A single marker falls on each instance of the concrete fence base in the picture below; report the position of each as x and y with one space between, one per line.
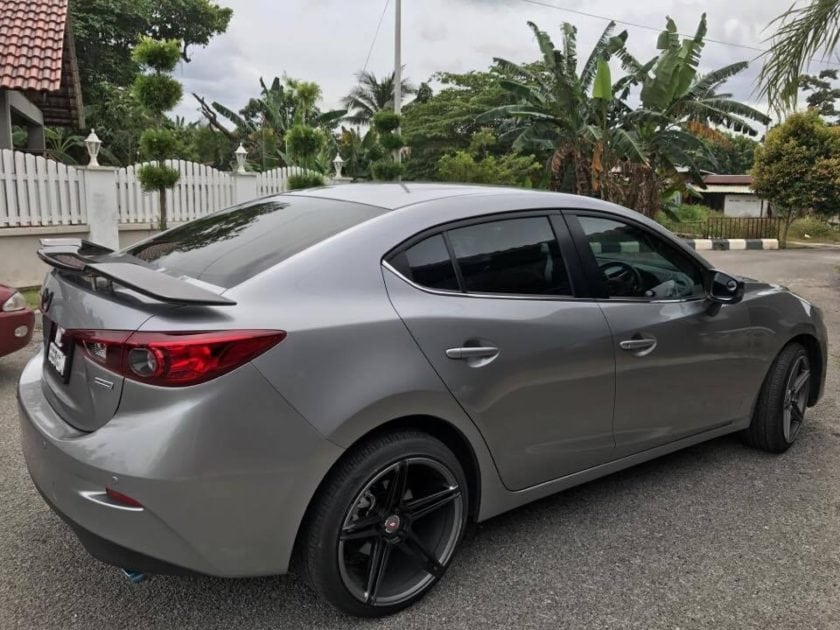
725 244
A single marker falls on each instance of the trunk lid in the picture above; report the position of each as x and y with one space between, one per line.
85 394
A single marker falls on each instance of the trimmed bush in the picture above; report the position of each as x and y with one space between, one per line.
386 170
157 177
160 55
158 144
157 92
386 121
391 141
305 180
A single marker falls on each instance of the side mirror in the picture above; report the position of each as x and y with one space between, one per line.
722 288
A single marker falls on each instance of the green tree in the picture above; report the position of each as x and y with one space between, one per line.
822 95
727 154
158 92
798 168
802 32
445 121
372 95
388 168
478 165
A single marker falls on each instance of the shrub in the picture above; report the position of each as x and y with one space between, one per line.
157 92
157 177
385 121
386 169
305 180
158 144
160 55
304 142
391 141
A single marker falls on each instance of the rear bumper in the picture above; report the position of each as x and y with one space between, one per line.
9 324
224 484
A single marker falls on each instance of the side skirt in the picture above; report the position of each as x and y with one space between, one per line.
503 501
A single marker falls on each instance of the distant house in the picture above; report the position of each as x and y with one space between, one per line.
39 76
733 195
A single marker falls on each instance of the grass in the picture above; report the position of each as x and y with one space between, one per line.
33 296
817 229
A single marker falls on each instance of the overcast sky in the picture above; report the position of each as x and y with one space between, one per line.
327 41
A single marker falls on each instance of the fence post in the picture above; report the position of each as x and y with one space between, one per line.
244 187
101 205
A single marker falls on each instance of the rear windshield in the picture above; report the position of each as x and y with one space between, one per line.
228 247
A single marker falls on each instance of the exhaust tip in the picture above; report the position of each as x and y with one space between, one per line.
135 577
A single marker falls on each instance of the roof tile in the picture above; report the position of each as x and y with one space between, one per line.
32 44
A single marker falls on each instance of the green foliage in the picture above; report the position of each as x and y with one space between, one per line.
814 228
507 170
106 31
821 93
158 144
304 142
386 169
156 177
157 92
358 152
159 55
371 95
391 141
446 121
305 180
386 121
798 167
728 154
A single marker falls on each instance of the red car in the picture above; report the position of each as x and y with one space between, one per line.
16 321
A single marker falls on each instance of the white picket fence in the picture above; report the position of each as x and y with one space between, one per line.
36 192
276 180
40 192
200 190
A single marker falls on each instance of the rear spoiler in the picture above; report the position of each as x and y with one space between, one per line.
75 255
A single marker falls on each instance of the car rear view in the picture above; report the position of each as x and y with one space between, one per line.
145 423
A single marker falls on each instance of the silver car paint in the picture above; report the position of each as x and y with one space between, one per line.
228 468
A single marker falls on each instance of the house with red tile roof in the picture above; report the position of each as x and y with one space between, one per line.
39 76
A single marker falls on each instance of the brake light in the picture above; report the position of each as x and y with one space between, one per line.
174 359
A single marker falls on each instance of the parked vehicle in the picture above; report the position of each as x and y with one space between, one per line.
349 375
16 321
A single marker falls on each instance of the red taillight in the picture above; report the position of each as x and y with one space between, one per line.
173 359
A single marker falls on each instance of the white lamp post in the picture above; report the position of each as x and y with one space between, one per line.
93 143
338 163
241 154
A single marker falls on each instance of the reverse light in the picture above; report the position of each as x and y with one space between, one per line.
174 359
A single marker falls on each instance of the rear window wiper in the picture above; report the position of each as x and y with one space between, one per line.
81 256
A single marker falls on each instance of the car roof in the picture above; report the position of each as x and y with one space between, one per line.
392 196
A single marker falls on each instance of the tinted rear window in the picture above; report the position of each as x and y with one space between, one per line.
233 245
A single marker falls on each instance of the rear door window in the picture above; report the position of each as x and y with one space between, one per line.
517 256
228 247
428 264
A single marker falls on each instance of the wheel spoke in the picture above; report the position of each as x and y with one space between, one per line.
421 507
797 413
801 381
417 550
363 528
378 563
397 486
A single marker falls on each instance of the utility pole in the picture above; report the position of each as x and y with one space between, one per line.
398 65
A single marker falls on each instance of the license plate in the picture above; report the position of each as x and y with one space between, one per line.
59 351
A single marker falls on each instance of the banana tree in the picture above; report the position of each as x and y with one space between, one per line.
555 111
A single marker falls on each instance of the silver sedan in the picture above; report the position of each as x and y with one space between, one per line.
348 376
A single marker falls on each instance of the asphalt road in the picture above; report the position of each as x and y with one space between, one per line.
716 536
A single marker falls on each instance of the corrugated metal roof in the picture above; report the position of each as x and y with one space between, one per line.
32 44
728 179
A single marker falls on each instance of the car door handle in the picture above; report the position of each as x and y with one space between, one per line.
472 352
638 344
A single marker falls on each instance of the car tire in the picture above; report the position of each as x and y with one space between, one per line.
385 524
780 409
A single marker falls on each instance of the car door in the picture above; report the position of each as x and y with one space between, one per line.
492 304
682 364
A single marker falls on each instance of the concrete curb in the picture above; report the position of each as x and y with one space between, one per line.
728 244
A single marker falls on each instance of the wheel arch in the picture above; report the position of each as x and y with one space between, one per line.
441 429
816 361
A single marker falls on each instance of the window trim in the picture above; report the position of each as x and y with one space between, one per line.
590 264
561 237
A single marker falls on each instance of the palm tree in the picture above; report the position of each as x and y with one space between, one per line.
372 95
803 32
